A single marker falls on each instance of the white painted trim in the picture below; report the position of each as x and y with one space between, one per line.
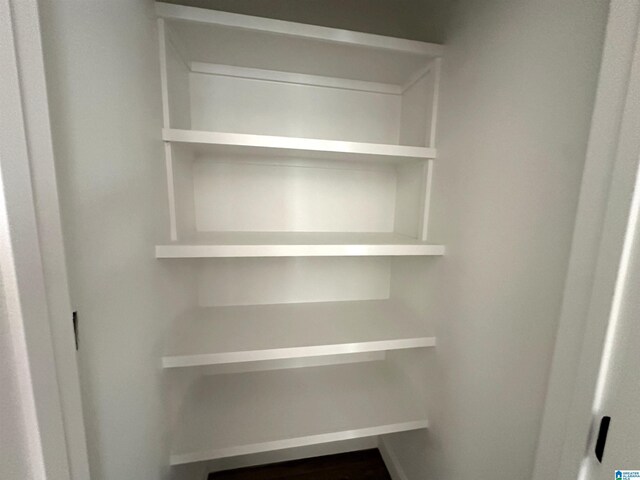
32 260
427 182
178 459
391 460
164 82
291 29
171 192
437 65
602 220
294 78
351 150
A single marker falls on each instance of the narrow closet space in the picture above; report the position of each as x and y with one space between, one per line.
299 164
271 231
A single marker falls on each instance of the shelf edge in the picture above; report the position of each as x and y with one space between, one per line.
195 360
300 30
237 251
181 458
296 144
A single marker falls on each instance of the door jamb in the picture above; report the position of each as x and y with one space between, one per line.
596 265
32 258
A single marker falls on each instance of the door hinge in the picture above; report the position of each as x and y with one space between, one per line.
75 328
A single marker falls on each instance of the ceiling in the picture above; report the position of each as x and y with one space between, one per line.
424 20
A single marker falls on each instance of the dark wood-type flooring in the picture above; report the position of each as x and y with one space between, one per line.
361 465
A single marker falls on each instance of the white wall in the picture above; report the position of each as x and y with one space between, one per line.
14 442
19 455
518 85
605 196
104 89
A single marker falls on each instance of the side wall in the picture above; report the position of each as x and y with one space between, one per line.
519 79
104 89
15 451
598 242
20 452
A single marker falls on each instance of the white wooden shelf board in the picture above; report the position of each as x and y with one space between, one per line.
299 30
218 335
295 244
273 146
238 414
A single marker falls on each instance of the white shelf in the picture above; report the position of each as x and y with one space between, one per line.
216 37
300 30
228 415
219 335
294 244
268 145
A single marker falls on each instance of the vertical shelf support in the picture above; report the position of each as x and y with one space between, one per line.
427 179
437 68
431 135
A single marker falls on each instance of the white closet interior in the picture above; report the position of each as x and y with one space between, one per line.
270 256
299 168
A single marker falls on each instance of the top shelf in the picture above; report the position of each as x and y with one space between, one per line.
299 30
215 37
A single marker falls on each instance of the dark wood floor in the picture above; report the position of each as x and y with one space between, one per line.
361 465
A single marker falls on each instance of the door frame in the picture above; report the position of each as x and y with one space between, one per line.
32 256
605 226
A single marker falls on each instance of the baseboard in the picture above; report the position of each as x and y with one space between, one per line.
391 460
